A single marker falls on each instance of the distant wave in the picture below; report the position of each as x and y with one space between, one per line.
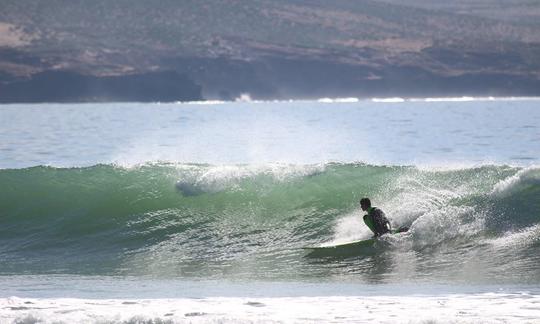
338 100
247 99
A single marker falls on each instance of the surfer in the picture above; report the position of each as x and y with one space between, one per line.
375 218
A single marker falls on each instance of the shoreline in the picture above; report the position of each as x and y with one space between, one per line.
333 100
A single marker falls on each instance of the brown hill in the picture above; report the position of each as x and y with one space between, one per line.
282 48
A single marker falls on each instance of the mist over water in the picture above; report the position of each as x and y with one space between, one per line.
421 133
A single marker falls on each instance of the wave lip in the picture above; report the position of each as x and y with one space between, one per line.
528 177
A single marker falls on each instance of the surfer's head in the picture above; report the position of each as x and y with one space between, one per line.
365 203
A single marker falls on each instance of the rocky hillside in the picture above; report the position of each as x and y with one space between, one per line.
274 49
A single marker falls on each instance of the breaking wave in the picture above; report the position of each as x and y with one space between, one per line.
201 220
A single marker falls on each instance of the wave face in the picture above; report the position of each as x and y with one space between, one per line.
238 221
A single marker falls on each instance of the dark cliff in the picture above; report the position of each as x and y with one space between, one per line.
62 86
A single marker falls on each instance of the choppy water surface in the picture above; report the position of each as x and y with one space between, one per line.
183 197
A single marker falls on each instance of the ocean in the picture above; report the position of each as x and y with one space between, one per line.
198 212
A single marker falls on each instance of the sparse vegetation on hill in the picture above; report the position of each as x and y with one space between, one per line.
273 48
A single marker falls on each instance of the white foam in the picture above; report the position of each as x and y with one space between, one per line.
349 228
455 99
519 239
469 98
338 100
244 97
205 102
530 175
212 179
445 166
449 308
278 171
394 100
444 224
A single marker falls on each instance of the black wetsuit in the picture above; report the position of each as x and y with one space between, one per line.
376 221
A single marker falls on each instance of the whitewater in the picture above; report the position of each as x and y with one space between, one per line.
197 213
